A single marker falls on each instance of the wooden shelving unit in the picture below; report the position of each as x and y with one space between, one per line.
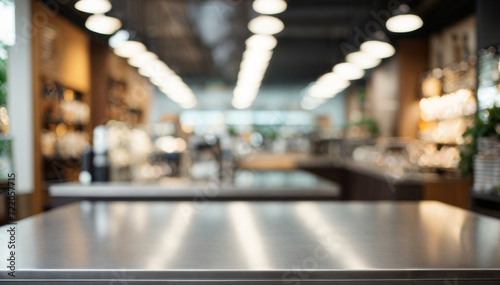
61 57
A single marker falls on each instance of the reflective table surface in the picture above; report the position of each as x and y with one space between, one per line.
257 243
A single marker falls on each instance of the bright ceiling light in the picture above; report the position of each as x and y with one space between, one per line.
269 6
173 84
93 6
363 59
348 71
265 25
333 79
239 104
142 59
102 24
118 38
155 68
251 75
245 94
247 86
378 49
168 81
309 103
322 91
404 23
188 105
252 82
255 54
129 48
257 66
265 42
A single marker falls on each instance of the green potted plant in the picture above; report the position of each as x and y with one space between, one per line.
487 127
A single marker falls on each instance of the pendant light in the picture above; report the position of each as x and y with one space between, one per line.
378 46
129 48
403 21
265 25
118 38
348 71
363 59
103 24
269 7
93 6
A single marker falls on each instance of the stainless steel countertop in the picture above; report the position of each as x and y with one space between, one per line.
257 241
275 184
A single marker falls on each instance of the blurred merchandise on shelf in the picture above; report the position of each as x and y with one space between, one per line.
245 132
448 105
391 158
206 158
144 152
395 156
64 105
122 103
429 156
62 143
401 157
64 132
445 132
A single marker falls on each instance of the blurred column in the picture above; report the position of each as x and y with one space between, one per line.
488 22
20 99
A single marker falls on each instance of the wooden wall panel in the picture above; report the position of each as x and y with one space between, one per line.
99 52
105 66
412 61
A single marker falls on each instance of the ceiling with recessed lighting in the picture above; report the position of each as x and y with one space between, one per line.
204 40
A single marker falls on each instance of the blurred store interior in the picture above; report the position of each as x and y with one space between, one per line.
218 92
279 124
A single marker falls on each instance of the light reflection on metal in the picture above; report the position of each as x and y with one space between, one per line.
243 221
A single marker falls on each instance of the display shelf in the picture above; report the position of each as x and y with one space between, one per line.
61 98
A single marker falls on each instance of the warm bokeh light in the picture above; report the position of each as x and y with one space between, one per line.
265 25
363 59
264 42
269 7
404 23
118 38
378 49
102 24
93 6
348 71
142 59
333 79
129 48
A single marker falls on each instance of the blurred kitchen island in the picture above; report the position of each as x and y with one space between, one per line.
245 185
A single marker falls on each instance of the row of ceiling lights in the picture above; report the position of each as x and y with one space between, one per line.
259 49
136 53
369 56
258 52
